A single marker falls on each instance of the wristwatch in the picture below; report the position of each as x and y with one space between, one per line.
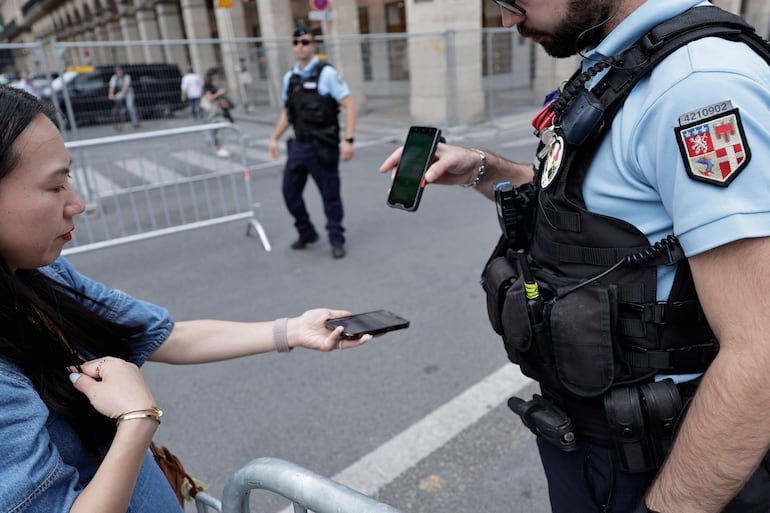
350 140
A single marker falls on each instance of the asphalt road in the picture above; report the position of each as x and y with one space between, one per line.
417 418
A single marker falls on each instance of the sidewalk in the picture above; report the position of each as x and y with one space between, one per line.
374 125
390 123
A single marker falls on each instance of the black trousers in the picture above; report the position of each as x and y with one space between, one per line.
590 480
303 161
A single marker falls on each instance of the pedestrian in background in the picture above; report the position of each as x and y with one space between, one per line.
631 280
76 414
121 92
313 92
244 81
217 106
26 84
192 90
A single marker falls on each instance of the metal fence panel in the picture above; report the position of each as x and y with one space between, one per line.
496 65
306 489
146 184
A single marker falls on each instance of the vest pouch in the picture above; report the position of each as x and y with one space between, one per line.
312 113
497 278
517 332
581 333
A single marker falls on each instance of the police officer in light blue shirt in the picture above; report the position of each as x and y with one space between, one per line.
313 93
672 172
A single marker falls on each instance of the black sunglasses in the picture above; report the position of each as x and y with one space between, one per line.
512 6
303 42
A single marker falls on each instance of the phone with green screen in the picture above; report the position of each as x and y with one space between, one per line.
408 183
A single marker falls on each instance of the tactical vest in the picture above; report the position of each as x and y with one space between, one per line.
314 117
594 323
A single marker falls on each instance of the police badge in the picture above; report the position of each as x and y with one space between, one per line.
554 159
713 145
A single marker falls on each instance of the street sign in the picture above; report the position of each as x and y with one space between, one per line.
224 4
319 15
320 5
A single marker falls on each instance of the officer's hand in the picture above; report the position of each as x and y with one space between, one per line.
273 148
452 165
347 150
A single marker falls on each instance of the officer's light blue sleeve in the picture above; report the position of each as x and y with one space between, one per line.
118 306
285 87
706 215
330 83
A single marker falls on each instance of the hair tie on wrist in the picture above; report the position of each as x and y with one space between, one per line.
280 336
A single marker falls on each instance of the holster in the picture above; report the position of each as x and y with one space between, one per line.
642 422
546 420
627 427
664 406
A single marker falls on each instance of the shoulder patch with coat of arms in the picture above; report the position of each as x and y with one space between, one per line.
713 144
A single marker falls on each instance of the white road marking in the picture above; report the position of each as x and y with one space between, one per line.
383 465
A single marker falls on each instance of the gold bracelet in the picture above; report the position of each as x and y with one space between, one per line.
132 416
153 409
481 171
151 413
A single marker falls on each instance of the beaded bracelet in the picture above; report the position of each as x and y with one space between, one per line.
481 171
154 413
280 336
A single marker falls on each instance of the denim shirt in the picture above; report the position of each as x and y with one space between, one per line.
43 464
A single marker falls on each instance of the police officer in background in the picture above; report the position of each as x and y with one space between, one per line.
313 91
632 279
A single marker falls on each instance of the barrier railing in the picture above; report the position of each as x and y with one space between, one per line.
146 184
304 488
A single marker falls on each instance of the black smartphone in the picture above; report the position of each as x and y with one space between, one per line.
373 323
407 186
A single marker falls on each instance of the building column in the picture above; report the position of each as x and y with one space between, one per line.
276 21
444 71
170 28
733 6
230 26
129 30
114 33
346 55
148 31
87 52
103 53
756 13
196 25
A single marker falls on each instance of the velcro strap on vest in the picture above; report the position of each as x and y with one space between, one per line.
689 359
674 313
679 313
565 221
572 254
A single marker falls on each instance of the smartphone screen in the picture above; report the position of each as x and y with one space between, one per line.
373 323
407 186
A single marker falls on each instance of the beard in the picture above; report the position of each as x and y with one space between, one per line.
576 31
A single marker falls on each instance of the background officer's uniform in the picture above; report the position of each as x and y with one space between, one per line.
303 159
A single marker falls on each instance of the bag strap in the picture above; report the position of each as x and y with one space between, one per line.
171 465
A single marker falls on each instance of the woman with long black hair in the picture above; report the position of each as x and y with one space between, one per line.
76 415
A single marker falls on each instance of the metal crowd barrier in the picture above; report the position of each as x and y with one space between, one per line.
146 184
306 490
